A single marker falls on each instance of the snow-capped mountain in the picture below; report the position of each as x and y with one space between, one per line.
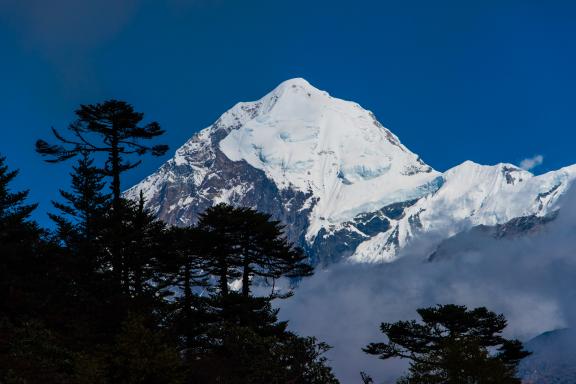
344 184
471 195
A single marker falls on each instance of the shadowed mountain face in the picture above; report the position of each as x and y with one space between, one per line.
553 360
343 184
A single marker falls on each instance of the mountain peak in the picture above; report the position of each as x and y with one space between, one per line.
296 91
295 82
335 150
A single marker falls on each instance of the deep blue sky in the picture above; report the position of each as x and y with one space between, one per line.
489 81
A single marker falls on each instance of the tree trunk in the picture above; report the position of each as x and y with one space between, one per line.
117 259
246 278
223 276
188 308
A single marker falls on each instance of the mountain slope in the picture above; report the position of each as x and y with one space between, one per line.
471 195
553 360
344 184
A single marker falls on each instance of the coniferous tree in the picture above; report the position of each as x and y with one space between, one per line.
65 320
248 357
138 242
264 252
249 244
183 268
243 243
83 206
244 341
453 345
143 354
79 229
220 225
31 291
113 128
118 133
20 238
144 242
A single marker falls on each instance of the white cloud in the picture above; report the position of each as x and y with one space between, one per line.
531 162
530 279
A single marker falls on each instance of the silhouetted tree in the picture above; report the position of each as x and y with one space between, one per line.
264 252
143 354
112 128
453 345
248 357
80 228
138 242
220 225
20 239
83 206
244 341
183 267
32 287
249 244
114 296
144 239
118 133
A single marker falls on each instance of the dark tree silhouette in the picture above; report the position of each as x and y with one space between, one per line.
220 226
14 213
264 251
19 240
114 296
250 244
113 128
453 345
83 206
143 240
183 267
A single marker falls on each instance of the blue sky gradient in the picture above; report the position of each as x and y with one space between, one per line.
488 81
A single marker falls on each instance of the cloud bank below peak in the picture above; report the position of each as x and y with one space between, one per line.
528 278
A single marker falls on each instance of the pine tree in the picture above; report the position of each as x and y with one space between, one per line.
14 213
118 134
134 247
220 226
264 252
20 238
452 345
250 244
113 128
244 341
31 290
83 207
183 268
144 242
246 356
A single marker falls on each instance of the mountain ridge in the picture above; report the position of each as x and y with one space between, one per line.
344 185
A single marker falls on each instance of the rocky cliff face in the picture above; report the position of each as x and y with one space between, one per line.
344 185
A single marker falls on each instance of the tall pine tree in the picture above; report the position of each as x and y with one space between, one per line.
113 128
20 238
83 207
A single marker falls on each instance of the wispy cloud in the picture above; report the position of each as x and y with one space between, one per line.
531 162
